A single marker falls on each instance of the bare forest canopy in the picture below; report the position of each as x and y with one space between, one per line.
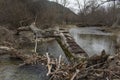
44 12
16 13
99 12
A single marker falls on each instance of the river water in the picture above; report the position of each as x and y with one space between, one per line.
94 41
53 48
10 70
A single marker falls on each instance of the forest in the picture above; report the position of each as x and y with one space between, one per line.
59 40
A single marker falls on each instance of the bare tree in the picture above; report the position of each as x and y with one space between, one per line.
57 1
90 12
116 16
83 9
65 3
13 14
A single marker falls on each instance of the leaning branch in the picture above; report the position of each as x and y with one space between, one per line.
48 64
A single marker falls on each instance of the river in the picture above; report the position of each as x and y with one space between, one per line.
94 41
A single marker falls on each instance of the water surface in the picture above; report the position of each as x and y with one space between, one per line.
10 70
53 48
94 41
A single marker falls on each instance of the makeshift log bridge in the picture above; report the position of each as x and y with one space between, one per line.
64 39
69 43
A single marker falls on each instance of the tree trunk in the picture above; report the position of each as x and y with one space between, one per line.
117 22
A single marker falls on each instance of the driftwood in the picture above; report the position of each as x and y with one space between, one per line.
102 69
77 71
48 64
38 33
36 43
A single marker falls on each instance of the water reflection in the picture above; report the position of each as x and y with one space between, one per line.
94 41
53 48
9 70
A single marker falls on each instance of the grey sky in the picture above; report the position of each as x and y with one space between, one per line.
73 4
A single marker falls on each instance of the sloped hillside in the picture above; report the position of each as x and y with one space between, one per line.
14 12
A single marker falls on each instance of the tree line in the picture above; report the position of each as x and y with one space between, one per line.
96 12
99 12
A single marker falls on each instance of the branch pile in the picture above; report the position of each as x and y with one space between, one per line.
103 67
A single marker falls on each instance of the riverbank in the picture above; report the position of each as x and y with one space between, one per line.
96 67
17 47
